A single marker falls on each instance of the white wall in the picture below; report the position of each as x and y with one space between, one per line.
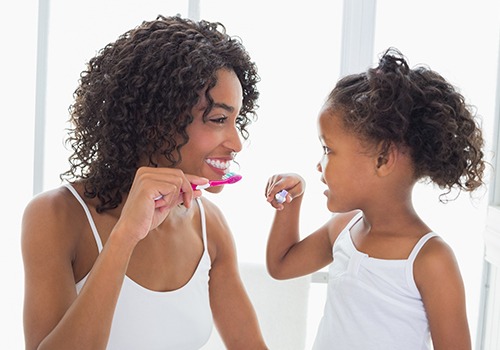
18 24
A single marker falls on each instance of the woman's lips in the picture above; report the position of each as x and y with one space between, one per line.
221 165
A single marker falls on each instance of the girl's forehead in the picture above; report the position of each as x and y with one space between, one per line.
329 121
331 129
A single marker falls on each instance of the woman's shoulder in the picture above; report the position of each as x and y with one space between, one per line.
46 201
54 202
219 236
49 213
214 215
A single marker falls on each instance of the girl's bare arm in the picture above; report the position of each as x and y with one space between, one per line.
438 278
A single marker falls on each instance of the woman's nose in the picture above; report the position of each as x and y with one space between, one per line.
233 140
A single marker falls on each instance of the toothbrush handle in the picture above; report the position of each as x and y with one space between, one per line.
202 187
212 183
193 186
207 185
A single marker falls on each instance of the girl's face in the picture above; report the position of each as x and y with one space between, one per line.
214 140
346 167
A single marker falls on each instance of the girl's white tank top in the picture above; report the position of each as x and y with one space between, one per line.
372 303
145 319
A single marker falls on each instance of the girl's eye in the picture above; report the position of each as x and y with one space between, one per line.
326 150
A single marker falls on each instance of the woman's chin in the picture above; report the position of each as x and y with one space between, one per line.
215 189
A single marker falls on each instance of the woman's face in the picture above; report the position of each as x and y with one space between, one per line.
214 139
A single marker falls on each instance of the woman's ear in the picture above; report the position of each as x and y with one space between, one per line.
387 158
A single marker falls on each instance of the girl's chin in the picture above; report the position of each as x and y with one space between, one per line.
331 208
331 205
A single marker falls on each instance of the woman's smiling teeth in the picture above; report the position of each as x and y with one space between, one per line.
224 165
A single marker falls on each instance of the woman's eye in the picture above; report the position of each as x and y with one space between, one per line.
220 119
326 150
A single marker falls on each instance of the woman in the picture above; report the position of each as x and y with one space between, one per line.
127 255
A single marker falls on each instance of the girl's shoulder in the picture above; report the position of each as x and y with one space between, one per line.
435 250
434 261
340 221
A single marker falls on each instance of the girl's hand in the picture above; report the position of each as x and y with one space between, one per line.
154 192
294 184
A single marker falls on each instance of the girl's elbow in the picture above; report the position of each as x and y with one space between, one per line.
276 272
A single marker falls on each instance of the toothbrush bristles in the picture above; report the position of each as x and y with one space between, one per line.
227 175
231 177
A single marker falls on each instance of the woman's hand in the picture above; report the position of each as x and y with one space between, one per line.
154 192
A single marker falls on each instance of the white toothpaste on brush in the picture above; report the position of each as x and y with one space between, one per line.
281 196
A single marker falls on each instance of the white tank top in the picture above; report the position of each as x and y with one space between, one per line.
372 303
146 319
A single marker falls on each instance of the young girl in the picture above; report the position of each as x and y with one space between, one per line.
393 282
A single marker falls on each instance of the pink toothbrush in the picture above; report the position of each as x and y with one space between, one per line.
229 178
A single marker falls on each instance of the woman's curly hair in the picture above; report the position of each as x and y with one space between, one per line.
135 98
416 109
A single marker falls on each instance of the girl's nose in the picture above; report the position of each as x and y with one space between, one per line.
318 167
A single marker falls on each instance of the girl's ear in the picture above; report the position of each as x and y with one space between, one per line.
387 157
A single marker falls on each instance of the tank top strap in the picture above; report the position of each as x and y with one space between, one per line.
89 216
419 246
203 222
354 220
410 279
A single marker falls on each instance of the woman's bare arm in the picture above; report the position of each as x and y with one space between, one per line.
54 316
232 309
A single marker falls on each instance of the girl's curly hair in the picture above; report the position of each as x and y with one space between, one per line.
419 110
134 100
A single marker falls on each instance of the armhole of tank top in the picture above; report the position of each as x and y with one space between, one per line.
203 223
89 216
411 259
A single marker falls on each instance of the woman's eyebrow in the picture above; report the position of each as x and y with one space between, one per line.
224 106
